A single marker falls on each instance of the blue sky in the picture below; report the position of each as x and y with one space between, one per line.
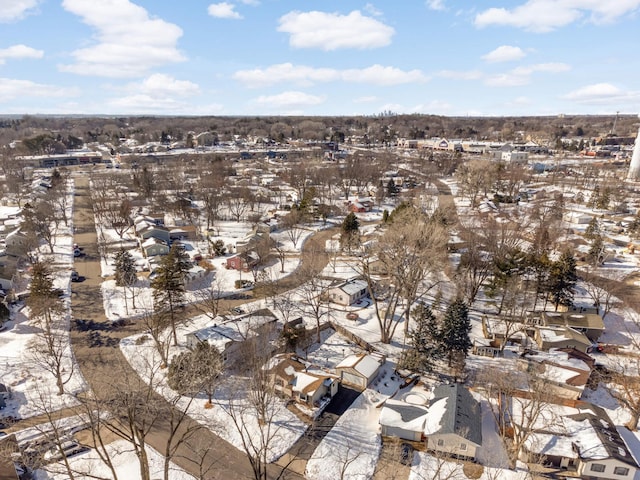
290 57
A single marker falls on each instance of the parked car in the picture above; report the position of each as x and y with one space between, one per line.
74 276
77 252
66 449
237 310
406 454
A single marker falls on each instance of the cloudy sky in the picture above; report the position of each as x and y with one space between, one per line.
330 57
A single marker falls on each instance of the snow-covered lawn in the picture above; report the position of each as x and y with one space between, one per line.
88 465
429 467
33 389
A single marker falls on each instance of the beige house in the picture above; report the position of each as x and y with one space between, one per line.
582 319
561 337
359 370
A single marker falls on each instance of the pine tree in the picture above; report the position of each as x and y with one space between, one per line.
424 345
125 274
595 256
454 334
350 229
562 280
168 285
593 229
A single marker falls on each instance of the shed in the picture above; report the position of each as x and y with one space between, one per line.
349 292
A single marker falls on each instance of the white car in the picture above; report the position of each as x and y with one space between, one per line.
66 449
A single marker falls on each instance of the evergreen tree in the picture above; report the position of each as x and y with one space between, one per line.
562 280
43 301
454 334
424 345
593 229
350 229
168 285
126 274
596 253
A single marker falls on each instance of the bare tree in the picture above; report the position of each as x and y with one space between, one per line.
254 410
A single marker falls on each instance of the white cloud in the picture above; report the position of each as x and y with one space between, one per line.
504 53
385 76
129 41
142 104
460 75
547 15
304 75
161 85
332 31
223 10
602 93
11 10
290 99
253 3
372 10
19 51
11 88
522 75
436 5
156 93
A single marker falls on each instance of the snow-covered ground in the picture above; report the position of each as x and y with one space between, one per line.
88 465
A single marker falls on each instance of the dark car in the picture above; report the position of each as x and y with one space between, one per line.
406 454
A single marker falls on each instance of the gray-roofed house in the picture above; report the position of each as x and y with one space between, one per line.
359 370
453 424
403 420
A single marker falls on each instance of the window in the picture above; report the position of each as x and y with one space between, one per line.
597 467
440 442
621 471
463 446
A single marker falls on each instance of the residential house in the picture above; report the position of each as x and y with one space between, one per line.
359 370
243 262
252 333
583 440
562 337
258 235
297 381
16 243
154 231
585 320
349 292
403 420
153 247
454 422
187 232
565 372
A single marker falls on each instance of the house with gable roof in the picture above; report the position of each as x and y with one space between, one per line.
359 370
349 292
453 424
293 379
403 420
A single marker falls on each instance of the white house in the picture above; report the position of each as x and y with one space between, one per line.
349 292
359 370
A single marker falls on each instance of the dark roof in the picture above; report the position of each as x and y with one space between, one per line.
407 412
609 436
462 415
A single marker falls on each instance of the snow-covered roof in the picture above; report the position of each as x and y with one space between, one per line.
396 413
365 365
351 287
454 410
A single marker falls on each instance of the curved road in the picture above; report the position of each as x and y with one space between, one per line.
96 345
